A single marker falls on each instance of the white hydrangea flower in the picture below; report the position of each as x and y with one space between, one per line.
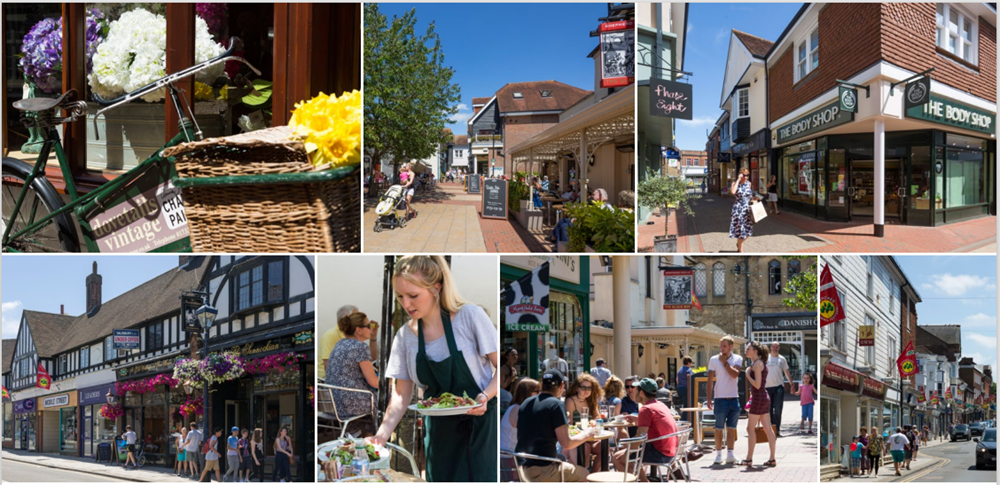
135 54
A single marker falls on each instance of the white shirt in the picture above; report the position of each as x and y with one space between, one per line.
898 442
193 440
508 433
129 437
556 363
726 386
776 367
602 374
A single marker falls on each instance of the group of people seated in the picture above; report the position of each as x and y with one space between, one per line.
553 419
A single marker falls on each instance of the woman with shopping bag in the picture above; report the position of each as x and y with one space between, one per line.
741 224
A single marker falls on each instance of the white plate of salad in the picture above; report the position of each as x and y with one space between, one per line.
343 451
446 404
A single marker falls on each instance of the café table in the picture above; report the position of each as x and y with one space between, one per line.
550 202
698 436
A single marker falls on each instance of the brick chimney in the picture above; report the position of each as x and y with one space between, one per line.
62 309
93 290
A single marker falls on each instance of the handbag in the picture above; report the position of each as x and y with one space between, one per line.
757 212
761 434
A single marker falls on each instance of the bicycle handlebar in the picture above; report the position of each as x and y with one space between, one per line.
234 44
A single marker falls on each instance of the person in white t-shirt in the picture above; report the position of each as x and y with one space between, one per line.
191 447
129 438
723 396
777 369
897 448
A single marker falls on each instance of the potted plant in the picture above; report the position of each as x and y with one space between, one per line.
671 193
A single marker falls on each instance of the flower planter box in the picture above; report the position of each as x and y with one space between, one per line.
530 217
133 132
665 244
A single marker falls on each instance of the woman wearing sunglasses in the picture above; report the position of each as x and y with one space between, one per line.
350 366
583 401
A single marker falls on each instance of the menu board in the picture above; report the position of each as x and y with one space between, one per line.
472 180
494 199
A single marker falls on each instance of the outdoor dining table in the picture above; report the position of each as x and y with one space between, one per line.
698 437
549 205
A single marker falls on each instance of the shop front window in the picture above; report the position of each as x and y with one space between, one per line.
965 173
565 337
829 424
837 177
799 176
69 429
153 422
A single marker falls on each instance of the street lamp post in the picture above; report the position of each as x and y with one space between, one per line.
206 317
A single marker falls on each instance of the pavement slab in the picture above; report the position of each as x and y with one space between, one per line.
43 461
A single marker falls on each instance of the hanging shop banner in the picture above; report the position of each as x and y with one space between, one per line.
617 53
494 199
6 395
907 361
826 117
917 92
866 336
921 398
527 301
669 99
947 393
841 378
848 99
874 388
694 301
934 398
125 339
678 285
830 309
42 378
947 112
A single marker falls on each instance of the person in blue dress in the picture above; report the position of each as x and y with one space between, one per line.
741 225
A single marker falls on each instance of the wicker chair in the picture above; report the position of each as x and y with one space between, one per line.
329 417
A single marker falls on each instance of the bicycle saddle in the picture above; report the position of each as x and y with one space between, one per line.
44 104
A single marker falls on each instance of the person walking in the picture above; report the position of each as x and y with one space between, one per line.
760 405
897 448
191 446
741 224
408 179
772 194
257 454
601 373
181 453
876 448
282 457
777 371
863 439
911 447
723 396
244 446
129 438
233 458
212 457
683 380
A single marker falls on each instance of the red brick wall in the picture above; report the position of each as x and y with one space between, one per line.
520 128
848 43
909 41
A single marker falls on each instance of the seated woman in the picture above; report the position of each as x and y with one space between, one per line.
601 195
545 183
585 393
350 366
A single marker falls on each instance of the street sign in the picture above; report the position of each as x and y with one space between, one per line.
677 287
918 92
126 339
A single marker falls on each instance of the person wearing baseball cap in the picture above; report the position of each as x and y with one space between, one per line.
654 420
233 458
541 423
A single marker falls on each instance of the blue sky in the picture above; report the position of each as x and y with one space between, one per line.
490 45
42 283
958 290
708 32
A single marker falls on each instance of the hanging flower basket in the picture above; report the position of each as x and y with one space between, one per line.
143 386
219 368
188 373
112 411
194 405
273 363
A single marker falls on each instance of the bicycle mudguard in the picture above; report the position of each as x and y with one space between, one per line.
137 215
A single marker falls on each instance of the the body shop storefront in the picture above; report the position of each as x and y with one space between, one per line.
94 428
933 176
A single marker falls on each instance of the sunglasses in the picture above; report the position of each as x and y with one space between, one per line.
587 388
366 325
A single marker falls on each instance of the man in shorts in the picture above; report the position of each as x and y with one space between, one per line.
129 437
897 448
723 396
191 446
212 457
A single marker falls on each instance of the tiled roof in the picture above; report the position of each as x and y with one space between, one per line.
758 47
461 140
48 330
561 96
8 353
476 101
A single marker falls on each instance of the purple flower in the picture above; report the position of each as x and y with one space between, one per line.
42 49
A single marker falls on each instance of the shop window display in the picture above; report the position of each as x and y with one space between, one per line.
69 429
829 428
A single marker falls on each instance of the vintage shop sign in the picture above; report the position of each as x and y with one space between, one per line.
866 336
272 345
947 112
678 287
148 367
826 117
873 388
151 215
669 99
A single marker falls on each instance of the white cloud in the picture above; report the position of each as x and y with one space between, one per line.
11 318
979 320
981 339
958 285
698 121
463 115
721 36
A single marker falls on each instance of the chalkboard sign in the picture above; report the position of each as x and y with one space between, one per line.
103 453
670 99
494 199
473 180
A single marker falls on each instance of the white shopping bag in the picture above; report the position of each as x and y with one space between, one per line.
757 212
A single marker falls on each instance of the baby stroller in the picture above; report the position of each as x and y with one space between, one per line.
387 207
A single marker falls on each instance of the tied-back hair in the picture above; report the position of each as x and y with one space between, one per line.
524 389
427 271
758 348
350 323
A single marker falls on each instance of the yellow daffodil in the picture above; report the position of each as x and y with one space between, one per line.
203 92
330 127
224 93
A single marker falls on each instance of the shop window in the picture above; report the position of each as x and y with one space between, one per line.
69 430
807 55
250 289
742 103
800 172
700 280
719 279
957 31
829 428
774 277
965 178
8 420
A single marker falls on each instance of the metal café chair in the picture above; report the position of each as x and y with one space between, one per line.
680 462
635 449
328 409
517 457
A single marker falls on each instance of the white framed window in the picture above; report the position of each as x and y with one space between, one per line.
725 130
957 31
893 348
807 55
741 103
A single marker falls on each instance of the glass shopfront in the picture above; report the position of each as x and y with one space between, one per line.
829 429
94 428
931 177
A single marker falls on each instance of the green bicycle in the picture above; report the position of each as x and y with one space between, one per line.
139 211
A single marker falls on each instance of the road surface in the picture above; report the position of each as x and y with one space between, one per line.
958 464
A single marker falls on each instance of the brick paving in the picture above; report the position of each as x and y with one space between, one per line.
708 231
797 455
448 222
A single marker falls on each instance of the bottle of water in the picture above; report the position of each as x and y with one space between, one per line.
600 426
359 464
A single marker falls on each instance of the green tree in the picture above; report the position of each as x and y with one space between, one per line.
665 192
802 287
409 96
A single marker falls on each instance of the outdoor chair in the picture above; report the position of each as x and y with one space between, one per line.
329 417
517 457
635 449
680 463
508 467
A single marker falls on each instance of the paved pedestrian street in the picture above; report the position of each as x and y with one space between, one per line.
937 461
448 222
708 231
22 466
796 454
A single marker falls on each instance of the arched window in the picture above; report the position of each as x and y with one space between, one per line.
794 268
774 277
719 279
700 280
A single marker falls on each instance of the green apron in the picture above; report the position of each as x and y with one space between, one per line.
459 448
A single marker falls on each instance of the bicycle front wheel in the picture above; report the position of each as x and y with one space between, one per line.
40 200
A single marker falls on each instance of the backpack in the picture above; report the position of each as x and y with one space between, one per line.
208 445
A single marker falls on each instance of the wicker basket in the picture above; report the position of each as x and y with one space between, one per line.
256 192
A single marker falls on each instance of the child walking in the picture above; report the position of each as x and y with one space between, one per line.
807 401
